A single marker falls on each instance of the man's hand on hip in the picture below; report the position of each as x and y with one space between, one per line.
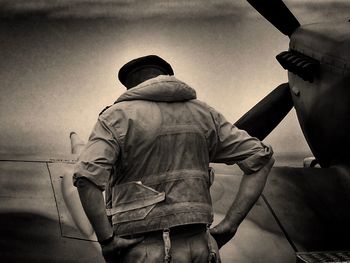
248 193
112 250
223 232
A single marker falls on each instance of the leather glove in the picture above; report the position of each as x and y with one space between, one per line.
112 249
223 233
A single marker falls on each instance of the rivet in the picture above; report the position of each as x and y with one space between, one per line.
296 91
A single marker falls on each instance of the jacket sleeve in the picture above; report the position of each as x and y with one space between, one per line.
98 157
237 146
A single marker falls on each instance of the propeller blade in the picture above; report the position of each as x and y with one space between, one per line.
268 113
278 14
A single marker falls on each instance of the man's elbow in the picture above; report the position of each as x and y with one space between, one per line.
83 183
265 170
262 171
258 179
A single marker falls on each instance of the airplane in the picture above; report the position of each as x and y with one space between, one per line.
302 214
42 220
310 204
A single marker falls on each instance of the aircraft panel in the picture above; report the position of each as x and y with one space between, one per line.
29 224
24 186
312 206
25 180
61 174
23 158
259 238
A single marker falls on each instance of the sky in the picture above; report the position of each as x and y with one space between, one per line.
136 9
60 61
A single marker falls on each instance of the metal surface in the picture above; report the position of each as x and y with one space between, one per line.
312 206
259 238
303 66
319 257
24 186
323 107
69 227
57 158
29 225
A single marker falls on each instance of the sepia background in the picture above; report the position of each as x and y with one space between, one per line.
60 59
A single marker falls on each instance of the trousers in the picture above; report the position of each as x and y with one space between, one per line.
196 246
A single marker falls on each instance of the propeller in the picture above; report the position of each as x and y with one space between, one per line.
268 113
278 14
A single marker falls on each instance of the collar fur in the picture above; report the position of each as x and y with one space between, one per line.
163 88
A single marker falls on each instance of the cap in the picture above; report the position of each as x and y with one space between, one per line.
143 62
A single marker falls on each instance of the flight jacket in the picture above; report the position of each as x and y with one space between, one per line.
151 151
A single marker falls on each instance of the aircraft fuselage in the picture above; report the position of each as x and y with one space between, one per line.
323 106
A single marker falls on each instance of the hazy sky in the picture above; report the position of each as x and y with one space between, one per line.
306 10
56 75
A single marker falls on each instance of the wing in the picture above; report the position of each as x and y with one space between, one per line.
35 224
259 238
40 216
311 205
302 210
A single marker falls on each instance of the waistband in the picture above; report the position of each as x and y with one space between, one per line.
175 232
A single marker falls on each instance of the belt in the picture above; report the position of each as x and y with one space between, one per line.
174 231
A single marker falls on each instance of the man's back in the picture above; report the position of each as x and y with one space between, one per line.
150 151
157 137
164 136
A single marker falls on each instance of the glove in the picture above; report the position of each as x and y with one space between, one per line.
223 233
112 249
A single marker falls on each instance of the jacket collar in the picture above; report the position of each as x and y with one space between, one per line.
163 88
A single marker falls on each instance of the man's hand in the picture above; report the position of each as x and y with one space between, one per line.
223 232
112 250
249 191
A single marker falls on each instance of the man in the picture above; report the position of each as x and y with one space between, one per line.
151 151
